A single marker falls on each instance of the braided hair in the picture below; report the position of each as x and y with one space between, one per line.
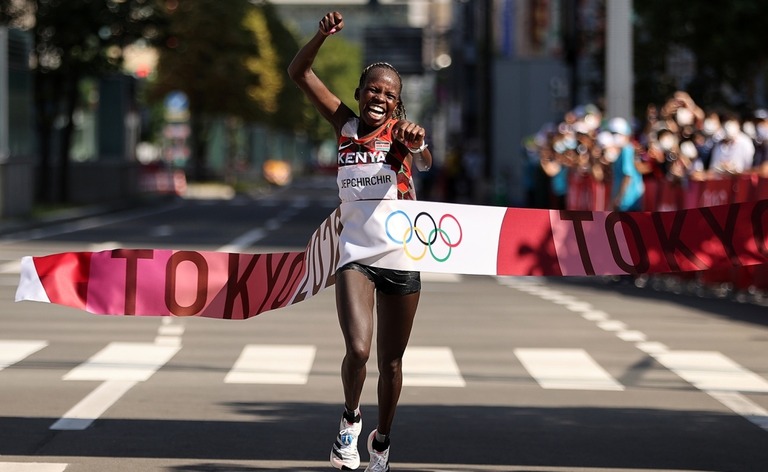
399 112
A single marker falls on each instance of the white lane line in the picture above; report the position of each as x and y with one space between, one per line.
242 242
652 347
123 361
273 364
104 246
595 315
612 325
579 307
712 371
120 366
13 351
170 331
743 406
632 336
568 369
431 367
91 407
31 467
722 379
10 267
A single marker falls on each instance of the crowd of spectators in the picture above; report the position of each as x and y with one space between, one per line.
678 141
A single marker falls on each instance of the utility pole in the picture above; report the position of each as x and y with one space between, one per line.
618 61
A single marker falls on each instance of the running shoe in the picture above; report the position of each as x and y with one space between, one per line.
379 460
344 454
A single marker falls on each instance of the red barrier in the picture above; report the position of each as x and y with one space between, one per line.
651 194
671 196
585 193
662 195
761 188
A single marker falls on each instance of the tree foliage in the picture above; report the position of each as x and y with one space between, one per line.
74 39
727 39
338 64
229 58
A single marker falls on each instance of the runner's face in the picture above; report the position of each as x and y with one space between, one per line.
379 97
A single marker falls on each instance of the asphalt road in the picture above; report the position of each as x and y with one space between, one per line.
502 374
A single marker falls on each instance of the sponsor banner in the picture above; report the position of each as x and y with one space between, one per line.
405 235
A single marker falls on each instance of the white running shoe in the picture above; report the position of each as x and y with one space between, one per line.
344 454
379 460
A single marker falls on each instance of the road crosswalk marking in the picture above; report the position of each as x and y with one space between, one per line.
569 369
431 367
120 366
31 467
712 371
124 361
13 351
272 364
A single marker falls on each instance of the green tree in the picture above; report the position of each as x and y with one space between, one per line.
275 95
230 59
339 65
73 40
727 39
205 57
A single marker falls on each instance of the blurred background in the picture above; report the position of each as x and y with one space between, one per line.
106 100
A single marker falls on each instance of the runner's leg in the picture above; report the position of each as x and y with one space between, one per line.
395 321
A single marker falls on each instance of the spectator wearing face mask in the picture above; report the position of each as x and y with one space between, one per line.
627 189
735 153
681 114
761 142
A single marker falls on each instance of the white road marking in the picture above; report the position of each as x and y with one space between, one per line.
652 347
13 351
120 366
595 315
124 361
31 467
632 336
10 267
431 367
569 369
273 364
90 408
743 406
712 371
612 325
244 241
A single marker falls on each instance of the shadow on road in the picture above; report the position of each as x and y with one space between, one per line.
484 436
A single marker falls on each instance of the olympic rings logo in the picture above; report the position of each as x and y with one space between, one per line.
447 229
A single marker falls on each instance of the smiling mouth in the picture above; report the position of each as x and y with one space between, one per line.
376 112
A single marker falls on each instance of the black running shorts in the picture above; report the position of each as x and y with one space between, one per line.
389 281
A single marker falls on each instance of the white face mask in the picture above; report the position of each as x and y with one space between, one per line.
688 149
732 129
611 154
667 142
684 116
710 126
762 131
749 129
